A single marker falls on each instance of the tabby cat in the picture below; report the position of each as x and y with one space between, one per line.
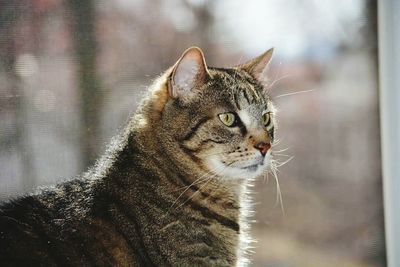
171 188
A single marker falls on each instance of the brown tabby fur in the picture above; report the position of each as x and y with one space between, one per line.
140 205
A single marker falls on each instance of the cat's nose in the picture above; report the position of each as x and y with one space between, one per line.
263 147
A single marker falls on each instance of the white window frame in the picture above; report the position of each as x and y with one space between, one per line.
389 91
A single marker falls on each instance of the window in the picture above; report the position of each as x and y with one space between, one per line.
71 72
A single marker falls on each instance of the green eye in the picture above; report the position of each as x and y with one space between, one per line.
266 119
228 118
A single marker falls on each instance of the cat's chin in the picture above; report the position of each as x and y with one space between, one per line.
248 172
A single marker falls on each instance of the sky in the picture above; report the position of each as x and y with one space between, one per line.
291 25
298 28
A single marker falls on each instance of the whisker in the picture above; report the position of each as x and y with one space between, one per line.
282 150
269 87
294 93
279 79
198 181
216 175
279 198
281 155
266 178
276 142
201 179
184 191
283 163
195 193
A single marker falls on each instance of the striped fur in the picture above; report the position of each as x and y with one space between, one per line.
155 197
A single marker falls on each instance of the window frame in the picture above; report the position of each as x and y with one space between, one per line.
389 94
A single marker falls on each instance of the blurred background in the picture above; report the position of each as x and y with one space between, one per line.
71 73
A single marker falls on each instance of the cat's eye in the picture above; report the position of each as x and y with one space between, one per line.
228 118
266 119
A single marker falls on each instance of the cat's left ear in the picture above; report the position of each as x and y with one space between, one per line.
257 67
188 74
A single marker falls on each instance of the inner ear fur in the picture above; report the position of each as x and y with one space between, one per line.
188 74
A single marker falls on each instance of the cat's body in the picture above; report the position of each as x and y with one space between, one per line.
90 221
158 197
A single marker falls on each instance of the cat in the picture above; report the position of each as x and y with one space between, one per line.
171 188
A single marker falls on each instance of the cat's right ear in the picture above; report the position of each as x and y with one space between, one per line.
188 74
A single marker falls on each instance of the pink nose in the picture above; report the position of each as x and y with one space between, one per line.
263 147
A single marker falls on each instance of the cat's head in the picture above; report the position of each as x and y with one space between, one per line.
222 119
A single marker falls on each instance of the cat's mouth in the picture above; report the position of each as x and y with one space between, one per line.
251 170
